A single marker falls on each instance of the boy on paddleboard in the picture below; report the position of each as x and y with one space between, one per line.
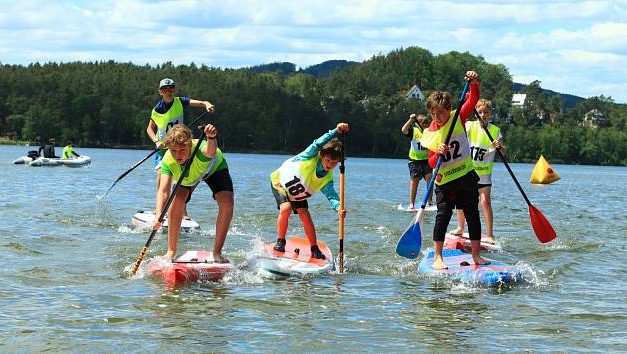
482 152
299 178
209 165
168 111
456 181
418 156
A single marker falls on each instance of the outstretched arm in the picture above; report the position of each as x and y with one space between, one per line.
206 104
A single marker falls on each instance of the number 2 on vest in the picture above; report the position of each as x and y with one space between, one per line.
295 189
454 145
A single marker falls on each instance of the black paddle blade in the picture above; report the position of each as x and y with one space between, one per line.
541 226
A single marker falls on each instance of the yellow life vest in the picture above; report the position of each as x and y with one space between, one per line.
165 121
67 152
457 162
416 150
200 168
481 150
297 178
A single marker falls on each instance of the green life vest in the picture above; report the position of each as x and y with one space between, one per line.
481 150
457 162
297 178
416 150
165 121
67 152
201 167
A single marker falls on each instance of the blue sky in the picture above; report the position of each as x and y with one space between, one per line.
576 47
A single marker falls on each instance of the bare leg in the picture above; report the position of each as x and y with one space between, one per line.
413 187
310 229
175 215
223 223
486 205
459 230
282 221
438 261
476 253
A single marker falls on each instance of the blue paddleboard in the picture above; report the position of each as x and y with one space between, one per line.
461 267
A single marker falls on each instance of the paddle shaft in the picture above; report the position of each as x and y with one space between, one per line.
144 250
341 220
498 151
147 157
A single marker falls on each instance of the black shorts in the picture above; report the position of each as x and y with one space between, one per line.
282 198
220 181
419 168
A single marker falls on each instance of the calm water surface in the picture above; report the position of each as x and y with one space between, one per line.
65 286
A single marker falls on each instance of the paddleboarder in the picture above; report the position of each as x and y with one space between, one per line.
418 156
299 178
168 111
456 181
209 166
482 152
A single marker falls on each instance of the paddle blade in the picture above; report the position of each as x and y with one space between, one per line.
409 244
541 226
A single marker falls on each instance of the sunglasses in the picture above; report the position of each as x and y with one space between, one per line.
167 88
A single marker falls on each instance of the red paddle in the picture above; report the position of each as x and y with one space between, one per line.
541 226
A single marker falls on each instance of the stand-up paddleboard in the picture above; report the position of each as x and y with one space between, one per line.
404 207
296 260
462 242
190 267
461 267
144 219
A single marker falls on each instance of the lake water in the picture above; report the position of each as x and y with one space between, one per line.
65 285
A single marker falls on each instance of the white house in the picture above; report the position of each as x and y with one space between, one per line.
518 99
415 93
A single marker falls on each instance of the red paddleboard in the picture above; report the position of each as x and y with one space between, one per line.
192 266
462 242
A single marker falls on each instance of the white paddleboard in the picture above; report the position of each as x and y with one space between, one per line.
296 260
144 219
403 207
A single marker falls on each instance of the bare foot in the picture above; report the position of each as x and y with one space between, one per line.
218 258
169 255
480 261
438 264
411 207
489 240
457 232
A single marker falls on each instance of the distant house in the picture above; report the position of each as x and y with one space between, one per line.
415 93
594 119
518 99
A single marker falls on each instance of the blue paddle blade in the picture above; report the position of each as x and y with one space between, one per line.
409 244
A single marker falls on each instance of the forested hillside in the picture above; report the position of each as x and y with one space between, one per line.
108 104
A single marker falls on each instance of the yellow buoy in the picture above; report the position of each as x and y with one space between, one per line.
543 173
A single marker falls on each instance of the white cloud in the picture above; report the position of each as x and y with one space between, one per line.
574 47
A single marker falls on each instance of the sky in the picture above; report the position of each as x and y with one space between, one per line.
575 47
